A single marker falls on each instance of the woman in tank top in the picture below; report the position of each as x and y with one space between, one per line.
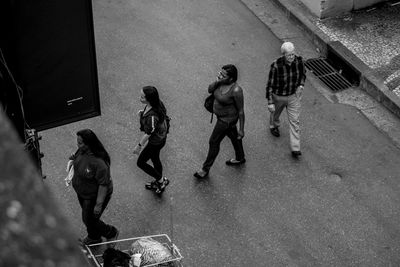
228 107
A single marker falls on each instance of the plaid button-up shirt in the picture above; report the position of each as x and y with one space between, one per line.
283 79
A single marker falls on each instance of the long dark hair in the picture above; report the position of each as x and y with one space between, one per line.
90 139
156 104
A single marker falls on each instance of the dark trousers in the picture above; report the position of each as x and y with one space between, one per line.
221 130
95 227
151 152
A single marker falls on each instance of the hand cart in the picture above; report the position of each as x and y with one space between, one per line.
95 252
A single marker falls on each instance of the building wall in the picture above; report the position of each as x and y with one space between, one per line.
331 8
313 5
365 3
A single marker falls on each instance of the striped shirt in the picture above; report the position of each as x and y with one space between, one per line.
284 79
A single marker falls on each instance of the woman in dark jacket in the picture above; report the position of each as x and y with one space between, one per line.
93 185
153 122
228 107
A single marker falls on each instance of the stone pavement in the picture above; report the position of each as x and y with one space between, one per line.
378 46
373 35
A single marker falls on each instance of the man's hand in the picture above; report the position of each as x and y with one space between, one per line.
299 91
271 107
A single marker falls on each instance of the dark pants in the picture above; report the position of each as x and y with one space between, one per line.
221 130
95 227
151 152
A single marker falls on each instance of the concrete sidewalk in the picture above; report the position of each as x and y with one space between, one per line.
289 20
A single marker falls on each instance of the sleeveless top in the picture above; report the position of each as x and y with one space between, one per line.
224 105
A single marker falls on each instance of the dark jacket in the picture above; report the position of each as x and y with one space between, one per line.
151 125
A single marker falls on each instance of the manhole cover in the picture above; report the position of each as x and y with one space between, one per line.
327 74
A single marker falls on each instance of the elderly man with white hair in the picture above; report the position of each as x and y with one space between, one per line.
284 90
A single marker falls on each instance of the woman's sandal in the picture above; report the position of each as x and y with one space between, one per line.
160 187
235 162
198 176
151 185
157 187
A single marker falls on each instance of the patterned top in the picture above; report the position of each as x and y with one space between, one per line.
283 78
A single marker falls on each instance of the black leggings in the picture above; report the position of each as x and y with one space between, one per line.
221 130
151 152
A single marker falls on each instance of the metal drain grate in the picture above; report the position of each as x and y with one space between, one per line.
327 74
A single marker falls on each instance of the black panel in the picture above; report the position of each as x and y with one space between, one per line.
51 51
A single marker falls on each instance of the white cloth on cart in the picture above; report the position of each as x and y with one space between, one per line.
152 251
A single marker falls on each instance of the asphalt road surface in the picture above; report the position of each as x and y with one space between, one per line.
337 206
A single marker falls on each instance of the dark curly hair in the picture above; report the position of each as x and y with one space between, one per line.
232 71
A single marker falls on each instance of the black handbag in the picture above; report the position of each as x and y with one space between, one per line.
209 105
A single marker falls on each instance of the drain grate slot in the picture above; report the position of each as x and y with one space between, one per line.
327 74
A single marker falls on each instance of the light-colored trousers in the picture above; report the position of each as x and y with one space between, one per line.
293 106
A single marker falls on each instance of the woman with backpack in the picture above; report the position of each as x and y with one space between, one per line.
228 107
154 122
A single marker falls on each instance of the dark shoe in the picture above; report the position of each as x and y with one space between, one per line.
115 234
234 162
296 154
160 187
197 175
151 185
88 241
275 132
113 238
